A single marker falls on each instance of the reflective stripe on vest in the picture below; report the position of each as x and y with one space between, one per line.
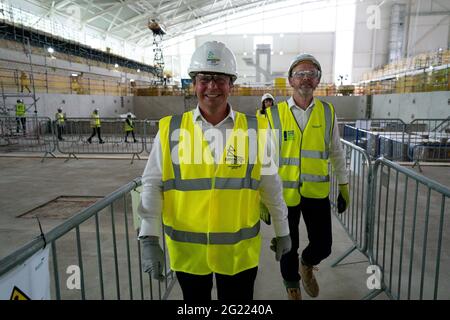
211 211
205 183
212 237
304 179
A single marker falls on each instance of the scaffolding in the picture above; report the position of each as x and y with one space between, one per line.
158 59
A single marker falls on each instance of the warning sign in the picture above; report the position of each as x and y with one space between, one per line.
18 294
29 280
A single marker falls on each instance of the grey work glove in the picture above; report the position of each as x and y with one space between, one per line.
264 213
152 257
281 245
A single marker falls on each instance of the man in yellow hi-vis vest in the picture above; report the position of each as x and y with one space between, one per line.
308 139
21 111
204 178
95 125
60 118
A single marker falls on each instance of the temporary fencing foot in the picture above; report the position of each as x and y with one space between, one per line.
338 260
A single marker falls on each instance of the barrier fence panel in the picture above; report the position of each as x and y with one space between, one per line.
409 240
77 131
151 128
429 140
380 137
26 134
355 219
101 242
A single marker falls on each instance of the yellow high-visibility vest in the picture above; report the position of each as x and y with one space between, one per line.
129 127
20 109
304 156
211 211
95 120
60 117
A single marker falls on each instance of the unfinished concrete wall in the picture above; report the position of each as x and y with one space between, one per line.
412 106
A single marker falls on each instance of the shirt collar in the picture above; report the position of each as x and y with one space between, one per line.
199 117
292 104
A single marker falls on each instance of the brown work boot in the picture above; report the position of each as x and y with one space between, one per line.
309 280
294 293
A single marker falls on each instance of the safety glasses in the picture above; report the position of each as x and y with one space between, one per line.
310 74
205 79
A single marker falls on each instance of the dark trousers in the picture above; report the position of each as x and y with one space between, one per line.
317 217
60 131
132 133
95 131
21 121
237 287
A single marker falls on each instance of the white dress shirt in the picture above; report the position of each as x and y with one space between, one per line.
150 207
337 157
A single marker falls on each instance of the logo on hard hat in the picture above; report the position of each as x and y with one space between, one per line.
212 59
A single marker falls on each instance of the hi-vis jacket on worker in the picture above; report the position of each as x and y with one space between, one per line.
20 108
304 153
206 179
95 119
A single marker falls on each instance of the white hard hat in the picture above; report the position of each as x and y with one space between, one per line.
305 57
213 56
97 109
267 96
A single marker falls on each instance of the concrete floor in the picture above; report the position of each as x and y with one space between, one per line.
27 183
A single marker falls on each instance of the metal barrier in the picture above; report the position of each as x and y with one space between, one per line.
408 227
421 140
151 128
76 133
429 140
355 219
27 134
97 240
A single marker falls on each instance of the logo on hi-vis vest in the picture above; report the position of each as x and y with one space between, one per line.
232 159
288 135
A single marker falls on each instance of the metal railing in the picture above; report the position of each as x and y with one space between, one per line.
397 218
100 241
27 134
408 239
355 220
40 134
421 140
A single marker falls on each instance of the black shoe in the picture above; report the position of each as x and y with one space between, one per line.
89 140
101 141
135 141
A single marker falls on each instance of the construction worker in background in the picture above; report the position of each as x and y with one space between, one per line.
95 125
207 191
267 101
129 127
21 119
308 140
24 81
60 117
